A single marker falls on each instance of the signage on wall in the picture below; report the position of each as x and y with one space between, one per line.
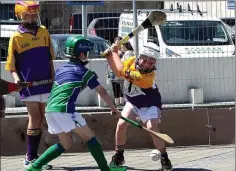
231 4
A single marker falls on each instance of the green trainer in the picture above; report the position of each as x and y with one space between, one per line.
31 168
118 168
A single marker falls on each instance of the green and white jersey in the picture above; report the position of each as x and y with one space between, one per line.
70 80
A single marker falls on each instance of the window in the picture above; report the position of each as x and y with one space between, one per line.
55 48
7 12
101 24
229 29
85 2
194 33
125 30
99 46
107 23
152 35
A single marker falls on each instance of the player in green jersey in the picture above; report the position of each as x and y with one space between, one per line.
62 118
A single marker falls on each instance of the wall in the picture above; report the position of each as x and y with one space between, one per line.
186 127
174 78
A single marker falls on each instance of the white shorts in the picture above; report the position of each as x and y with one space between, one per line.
63 122
144 113
42 98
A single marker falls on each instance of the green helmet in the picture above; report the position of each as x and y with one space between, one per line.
75 45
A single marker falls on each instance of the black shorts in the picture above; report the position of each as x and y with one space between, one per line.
117 89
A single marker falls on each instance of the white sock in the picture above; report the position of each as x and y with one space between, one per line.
122 101
117 101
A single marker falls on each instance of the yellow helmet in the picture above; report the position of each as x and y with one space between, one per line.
26 7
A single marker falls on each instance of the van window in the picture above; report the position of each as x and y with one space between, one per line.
77 19
125 30
152 34
194 33
101 24
7 12
107 23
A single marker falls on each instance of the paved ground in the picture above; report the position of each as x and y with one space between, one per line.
194 158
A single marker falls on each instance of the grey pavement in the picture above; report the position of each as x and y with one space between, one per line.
192 158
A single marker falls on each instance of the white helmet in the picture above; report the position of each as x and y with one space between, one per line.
151 50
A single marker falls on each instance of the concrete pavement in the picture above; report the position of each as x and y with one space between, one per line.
192 158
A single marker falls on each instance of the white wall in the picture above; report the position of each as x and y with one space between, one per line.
174 78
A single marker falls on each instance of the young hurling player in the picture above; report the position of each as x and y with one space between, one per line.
30 58
70 80
143 98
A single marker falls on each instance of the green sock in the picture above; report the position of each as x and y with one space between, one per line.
50 154
97 153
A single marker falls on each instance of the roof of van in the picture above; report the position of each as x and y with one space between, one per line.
171 16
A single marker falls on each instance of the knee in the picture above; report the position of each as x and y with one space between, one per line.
67 145
122 125
152 125
89 135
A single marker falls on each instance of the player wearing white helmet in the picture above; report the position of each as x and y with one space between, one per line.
142 98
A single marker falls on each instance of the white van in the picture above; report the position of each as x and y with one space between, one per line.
186 34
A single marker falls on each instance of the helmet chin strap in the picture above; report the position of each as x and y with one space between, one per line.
79 61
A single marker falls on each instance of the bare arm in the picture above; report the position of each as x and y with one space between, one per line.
114 61
15 76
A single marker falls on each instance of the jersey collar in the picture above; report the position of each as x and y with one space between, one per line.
23 29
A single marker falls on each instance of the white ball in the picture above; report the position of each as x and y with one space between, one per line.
155 155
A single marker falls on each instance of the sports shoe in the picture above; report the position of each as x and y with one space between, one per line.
118 168
45 167
31 168
166 164
117 160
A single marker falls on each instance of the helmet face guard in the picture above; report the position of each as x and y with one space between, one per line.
149 52
76 45
26 10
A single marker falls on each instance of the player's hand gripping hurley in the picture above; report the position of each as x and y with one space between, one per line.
164 137
8 87
153 19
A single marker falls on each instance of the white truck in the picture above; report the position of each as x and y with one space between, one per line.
187 33
197 53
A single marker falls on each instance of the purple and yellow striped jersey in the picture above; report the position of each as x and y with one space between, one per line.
141 93
30 56
70 80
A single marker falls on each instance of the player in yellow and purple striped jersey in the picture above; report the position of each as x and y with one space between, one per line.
30 58
143 99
